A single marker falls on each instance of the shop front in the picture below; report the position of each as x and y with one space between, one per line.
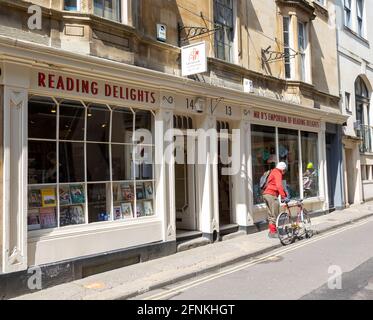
79 172
98 172
300 143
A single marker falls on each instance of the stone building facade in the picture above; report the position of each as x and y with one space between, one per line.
355 58
75 201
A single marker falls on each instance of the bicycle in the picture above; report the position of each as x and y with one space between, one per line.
290 228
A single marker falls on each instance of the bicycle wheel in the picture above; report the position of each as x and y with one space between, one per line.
307 225
285 229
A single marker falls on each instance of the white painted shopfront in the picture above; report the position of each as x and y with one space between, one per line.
93 99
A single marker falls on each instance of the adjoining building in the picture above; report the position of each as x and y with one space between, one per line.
355 58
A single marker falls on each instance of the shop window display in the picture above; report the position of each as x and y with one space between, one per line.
288 151
265 153
80 163
310 164
263 144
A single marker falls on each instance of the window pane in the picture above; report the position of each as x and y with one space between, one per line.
109 9
98 123
310 164
42 116
98 204
263 144
98 7
71 159
122 125
42 162
123 200
72 118
144 120
71 5
41 208
288 153
121 162
97 162
72 200
143 157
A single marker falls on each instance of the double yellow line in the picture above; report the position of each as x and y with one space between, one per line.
229 270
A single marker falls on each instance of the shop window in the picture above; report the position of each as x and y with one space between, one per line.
310 164
288 150
87 172
265 156
263 144
109 9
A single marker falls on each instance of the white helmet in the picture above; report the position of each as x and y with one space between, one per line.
281 166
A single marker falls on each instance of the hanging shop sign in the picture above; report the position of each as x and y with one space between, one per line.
193 59
89 88
278 118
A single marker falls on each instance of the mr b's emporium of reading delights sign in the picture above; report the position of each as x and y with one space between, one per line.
90 88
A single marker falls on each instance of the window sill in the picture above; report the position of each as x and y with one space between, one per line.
357 36
72 230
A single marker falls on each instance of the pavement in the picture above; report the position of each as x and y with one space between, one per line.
134 280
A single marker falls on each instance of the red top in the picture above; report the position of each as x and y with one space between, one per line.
274 185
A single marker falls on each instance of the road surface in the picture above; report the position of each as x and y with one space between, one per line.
334 265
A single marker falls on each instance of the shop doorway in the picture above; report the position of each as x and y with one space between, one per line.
329 165
352 174
224 180
186 219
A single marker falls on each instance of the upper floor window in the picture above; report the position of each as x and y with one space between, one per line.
286 31
72 5
223 19
109 9
347 13
348 102
361 90
359 16
302 43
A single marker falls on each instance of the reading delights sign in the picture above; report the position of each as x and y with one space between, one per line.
91 88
